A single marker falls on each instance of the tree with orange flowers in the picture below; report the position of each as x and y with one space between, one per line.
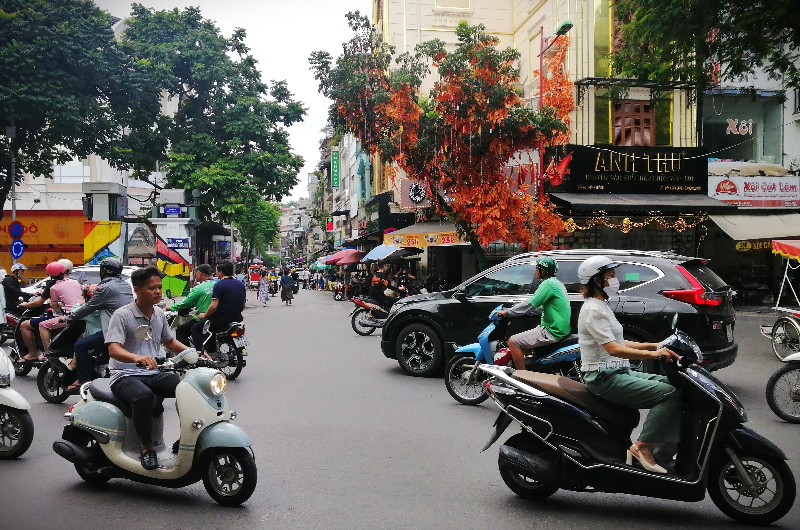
456 140
556 88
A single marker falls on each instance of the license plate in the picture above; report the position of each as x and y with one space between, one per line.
729 332
240 342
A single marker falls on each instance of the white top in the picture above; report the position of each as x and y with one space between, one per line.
597 325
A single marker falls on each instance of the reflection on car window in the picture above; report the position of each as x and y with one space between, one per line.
632 275
568 275
514 280
86 276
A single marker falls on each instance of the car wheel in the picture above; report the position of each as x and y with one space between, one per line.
419 350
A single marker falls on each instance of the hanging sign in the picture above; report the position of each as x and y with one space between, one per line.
756 191
177 242
335 167
422 239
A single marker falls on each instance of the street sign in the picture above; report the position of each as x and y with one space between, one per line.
177 242
172 210
17 248
335 168
15 230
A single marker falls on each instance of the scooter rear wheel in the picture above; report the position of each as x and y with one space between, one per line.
16 432
234 366
91 476
768 500
523 486
229 475
466 392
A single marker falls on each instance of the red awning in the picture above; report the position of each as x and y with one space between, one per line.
788 248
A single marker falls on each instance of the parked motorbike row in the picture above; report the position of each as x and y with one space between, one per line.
99 438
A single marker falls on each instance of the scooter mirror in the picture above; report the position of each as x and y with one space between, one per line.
675 321
143 333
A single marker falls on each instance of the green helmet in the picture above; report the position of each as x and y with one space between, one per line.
547 265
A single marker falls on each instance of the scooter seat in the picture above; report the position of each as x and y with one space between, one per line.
547 349
100 389
577 394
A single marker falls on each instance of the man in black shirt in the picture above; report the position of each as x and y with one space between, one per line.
379 284
227 302
12 288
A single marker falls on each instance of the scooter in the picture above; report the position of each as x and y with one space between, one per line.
100 439
783 387
16 425
226 348
367 316
464 380
18 349
574 440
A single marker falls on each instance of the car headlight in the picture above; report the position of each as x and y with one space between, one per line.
218 384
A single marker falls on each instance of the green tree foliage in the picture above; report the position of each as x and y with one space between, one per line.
677 40
258 226
228 136
65 85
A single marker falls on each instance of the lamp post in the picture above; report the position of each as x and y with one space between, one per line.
11 133
545 45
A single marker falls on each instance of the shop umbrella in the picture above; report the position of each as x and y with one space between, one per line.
348 255
379 252
400 253
317 266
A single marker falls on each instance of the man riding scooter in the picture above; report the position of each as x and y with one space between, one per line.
12 288
112 293
29 327
134 375
200 298
551 296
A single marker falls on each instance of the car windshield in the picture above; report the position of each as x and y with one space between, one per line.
86 276
508 281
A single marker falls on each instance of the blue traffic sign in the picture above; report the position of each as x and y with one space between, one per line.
15 230
17 248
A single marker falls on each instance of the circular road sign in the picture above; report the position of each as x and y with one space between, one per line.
17 249
15 230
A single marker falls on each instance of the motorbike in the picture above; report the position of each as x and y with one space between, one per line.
18 350
571 439
16 424
7 329
56 374
100 440
783 387
367 316
464 380
227 349
338 291
273 287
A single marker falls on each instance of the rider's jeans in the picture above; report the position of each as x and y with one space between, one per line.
141 392
83 355
641 391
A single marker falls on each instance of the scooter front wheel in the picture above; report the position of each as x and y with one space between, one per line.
769 498
464 383
783 393
16 432
52 384
357 323
229 475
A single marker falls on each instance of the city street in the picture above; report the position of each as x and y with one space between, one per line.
344 439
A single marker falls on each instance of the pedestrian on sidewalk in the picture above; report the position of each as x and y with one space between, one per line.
263 289
286 287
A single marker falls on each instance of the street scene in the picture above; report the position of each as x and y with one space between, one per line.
405 264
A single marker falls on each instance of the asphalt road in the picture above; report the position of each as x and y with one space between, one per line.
343 439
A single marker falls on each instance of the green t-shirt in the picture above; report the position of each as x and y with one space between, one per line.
551 296
199 297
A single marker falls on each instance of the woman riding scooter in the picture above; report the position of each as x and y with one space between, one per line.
607 373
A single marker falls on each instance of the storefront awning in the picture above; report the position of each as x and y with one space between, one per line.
424 235
772 226
643 202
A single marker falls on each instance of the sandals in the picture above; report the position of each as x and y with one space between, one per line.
25 360
75 387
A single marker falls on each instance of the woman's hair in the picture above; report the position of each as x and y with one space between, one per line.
590 289
140 277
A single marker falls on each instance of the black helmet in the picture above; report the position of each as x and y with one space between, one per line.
110 267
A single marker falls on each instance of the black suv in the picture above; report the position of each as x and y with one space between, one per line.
423 331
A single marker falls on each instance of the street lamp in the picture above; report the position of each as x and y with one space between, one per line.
545 45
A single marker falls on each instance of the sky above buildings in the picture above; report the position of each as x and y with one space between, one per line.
281 35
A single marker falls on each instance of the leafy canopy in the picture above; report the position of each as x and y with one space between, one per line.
228 136
65 85
676 40
458 138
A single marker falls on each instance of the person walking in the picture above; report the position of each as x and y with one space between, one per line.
263 289
286 288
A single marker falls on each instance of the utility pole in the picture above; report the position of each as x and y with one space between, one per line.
11 133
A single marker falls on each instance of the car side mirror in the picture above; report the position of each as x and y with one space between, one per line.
461 297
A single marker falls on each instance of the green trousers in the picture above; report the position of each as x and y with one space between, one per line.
641 391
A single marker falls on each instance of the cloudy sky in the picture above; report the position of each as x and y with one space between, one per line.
281 35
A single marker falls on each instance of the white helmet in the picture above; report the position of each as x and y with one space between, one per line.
594 265
67 265
18 266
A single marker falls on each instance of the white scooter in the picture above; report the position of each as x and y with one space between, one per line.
16 425
102 443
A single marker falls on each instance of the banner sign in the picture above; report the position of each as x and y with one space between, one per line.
172 210
421 240
753 244
177 242
620 169
756 191
335 167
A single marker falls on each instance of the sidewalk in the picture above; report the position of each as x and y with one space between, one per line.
759 310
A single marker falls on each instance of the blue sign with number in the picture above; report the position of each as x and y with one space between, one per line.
172 210
177 242
15 230
17 248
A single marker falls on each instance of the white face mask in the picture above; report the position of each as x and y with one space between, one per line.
613 287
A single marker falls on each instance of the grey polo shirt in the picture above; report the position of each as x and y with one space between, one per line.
122 328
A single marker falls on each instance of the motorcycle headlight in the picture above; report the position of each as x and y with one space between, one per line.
218 384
